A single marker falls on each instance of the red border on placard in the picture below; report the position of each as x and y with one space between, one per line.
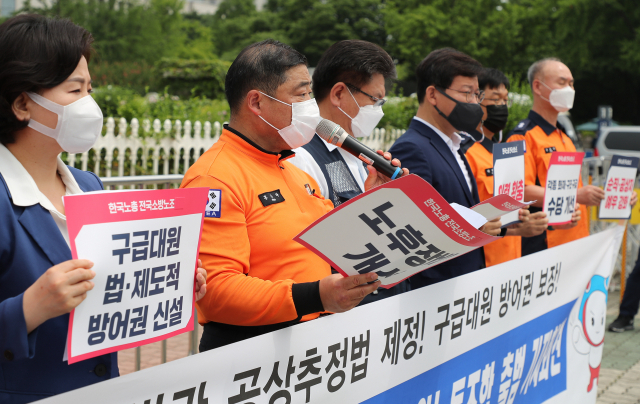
555 161
185 200
499 200
418 190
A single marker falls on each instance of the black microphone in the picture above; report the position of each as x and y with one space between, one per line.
334 134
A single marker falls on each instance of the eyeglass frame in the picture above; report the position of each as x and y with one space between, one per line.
508 102
377 102
479 95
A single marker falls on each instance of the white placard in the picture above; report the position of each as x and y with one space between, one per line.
561 188
618 188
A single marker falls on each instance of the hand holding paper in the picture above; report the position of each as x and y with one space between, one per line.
397 230
340 294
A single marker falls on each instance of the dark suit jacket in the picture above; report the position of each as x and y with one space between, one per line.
31 366
424 153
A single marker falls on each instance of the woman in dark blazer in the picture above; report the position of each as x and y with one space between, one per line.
45 108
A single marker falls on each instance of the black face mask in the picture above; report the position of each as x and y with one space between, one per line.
464 116
497 116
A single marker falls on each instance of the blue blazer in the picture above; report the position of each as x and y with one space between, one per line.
423 152
31 366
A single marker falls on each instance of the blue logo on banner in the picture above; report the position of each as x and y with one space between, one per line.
526 365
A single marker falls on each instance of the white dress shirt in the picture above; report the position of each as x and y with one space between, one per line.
25 192
454 146
304 161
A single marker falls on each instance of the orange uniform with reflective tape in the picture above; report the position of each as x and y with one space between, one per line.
248 252
480 157
542 139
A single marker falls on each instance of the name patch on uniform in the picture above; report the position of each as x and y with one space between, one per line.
271 198
489 172
549 149
214 201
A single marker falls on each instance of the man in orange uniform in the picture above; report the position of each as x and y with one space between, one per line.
259 279
480 156
552 85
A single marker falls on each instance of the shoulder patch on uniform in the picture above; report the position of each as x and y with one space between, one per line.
521 128
214 202
271 198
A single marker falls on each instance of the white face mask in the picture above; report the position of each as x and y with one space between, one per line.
79 123
305 117
561 98
366 120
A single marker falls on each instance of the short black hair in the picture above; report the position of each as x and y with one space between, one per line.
36 52
351 61
441 66
492 78
261 66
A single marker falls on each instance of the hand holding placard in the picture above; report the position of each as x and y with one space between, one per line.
396 230
58 291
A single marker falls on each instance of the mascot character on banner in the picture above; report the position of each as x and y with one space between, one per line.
588 330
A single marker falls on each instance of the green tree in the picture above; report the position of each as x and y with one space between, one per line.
600 42
312 26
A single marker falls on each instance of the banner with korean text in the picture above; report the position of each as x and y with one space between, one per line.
144 246
526 331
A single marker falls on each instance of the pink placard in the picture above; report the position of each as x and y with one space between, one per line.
92 212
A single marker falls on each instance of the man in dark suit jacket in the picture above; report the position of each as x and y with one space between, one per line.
448 95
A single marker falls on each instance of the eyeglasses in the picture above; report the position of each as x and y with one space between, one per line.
471 96
377 102
499 101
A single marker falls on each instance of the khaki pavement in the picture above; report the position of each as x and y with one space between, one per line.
620 368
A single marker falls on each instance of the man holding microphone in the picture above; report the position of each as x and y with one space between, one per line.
258 279
349 87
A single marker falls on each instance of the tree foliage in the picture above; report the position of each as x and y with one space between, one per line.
598 39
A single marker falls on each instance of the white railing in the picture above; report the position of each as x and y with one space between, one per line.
131 149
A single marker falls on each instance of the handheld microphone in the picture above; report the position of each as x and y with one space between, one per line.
334 134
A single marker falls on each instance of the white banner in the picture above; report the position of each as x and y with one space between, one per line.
511 333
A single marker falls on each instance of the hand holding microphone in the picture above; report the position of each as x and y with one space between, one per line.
332 133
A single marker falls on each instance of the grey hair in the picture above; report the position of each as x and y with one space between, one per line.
536 68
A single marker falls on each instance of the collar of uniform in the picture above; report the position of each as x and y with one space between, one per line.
248 145
22 187
537 119
488 144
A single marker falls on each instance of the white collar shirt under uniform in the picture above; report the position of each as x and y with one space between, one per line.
25 192
454 146
305 161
